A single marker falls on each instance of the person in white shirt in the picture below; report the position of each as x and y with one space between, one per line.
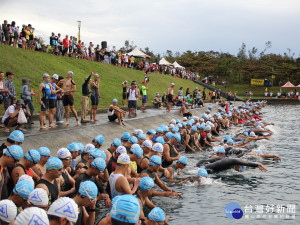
132 99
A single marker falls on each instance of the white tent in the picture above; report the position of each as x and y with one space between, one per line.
164 62
138 53
176 65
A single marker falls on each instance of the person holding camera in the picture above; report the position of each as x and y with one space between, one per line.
10 118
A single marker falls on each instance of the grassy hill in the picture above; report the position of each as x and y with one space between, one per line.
32 65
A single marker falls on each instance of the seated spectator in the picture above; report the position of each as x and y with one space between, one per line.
38 46
114 112
157 101
10 118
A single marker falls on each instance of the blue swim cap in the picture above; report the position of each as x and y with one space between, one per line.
230 141
142 136
189 123
157 215
115 100
33 156
204 116
138 151
99 139
151 131
88 189
177 137
183 160
99 164
125 136
169 135
16 136
227 137
210 107
259 152
94 153
126 208
146 184
162 125
245 133
221 150
194 128
220 109
23 188
102 155
202 126
44 151
160 140
183 124
133 140
165 128
208 111
242 168
81 147
202 172
159 130
155 161
14 151
177 121
116 142
53 163
73 147
175 129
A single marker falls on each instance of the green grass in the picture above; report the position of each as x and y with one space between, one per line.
258 91
32 65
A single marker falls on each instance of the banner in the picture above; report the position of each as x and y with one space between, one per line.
258 82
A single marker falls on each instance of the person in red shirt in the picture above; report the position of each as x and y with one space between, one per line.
65 45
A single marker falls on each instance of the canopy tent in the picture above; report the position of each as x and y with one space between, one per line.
288 85
176 65
164 62
138 53
298 86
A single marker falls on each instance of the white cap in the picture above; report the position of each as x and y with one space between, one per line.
121 149
63 153
184 119
139 131
64 207
252 134
134 145
123 159
172 84
55 76
171 125
8 210
26 177
179 125
147 144
158 147
173 121
88 148
38 197
32 215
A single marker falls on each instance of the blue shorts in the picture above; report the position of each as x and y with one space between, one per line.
145 98
95 100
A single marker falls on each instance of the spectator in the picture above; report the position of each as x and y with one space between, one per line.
10 118
11 94
5 31
59 105
26 96
132 99
95 97
38 46
85 99
15 33
59 44
90 52
97 53
3 90
124 95
144 93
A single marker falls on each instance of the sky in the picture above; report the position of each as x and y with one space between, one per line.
176 25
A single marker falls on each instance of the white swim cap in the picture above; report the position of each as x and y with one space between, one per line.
38 197
32 215
8 210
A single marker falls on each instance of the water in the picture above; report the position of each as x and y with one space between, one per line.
279 186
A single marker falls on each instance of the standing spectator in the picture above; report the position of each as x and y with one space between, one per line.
170 95
31 37
11 94
69 86
90 51
95 97
132 99
26 96
70 46
119 55
124 95
126 60
204 94
187 92
5 32
85 99
65 46
23 36
59 104
3 90
97 53
53 99
15 33
144 92
59 44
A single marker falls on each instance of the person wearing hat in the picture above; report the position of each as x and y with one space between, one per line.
112 162
98 141
26 96
8 211
114 112
118 182
175 169
133 95
40 167
67 183
32 215
124 91
48 181
63 211
84 156
69 86
157 217
11 155
10 117
95 97
85 99
10 95
38 198
144 93
170 153
112 148
31 158
220 153
191 140
53 98
21 192
170 95
15 138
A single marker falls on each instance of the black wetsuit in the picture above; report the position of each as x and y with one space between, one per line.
66 185
52 188
226 164
191 144
80 217
207 161
150 173
111 165
139 169
3 183
84 177
166 163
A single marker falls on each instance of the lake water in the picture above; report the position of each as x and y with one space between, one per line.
280 186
